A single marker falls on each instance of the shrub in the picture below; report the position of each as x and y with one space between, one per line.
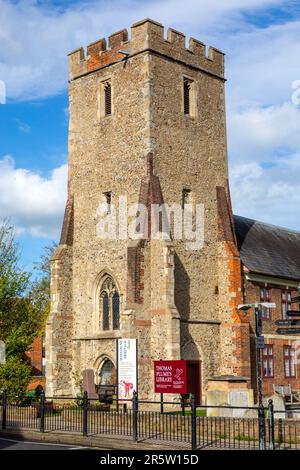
14 378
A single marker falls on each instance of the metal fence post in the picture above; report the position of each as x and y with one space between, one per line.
162 403
194 422
261 427
271 425
134 416
42 412
182 404
4 409
85 406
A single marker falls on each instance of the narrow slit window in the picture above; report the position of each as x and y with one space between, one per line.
107 97
108 197
187 88
186 197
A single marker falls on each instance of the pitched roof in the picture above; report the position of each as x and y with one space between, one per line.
267 249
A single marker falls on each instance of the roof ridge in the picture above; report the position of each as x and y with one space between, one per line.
285 229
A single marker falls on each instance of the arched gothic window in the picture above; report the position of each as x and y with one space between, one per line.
110 305
107 373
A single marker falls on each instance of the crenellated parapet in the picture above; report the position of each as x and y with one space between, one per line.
146 35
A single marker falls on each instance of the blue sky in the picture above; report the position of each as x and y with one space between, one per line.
261 39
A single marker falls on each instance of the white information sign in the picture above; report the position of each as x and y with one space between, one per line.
127 367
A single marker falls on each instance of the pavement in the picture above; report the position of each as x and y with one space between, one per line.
76 440
13 444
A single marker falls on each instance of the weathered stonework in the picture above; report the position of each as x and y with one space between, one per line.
178 303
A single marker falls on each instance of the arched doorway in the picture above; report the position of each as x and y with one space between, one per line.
107 374
191 353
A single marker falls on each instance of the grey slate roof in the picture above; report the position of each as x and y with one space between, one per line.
267 249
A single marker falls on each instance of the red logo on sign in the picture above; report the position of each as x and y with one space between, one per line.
170 377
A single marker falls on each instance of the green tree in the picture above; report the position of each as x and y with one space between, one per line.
15 377
16 313
24 306
40 288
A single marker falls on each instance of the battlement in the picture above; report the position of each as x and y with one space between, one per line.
146 35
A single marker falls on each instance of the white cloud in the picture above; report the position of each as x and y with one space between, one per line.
35 39
271 194
262 65
265 163
264 134
34 203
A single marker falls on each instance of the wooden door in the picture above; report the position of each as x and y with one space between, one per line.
194 379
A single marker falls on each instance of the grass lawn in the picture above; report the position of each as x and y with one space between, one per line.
187 413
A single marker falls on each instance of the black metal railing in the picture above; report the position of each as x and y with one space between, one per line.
199 427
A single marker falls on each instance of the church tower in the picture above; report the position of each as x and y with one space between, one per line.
147 123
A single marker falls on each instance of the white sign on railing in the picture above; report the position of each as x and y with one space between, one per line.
126 367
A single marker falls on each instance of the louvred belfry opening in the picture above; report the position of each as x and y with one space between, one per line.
107 93
186 95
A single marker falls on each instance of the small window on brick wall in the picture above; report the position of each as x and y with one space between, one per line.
265 296
268 361
286 298
289 362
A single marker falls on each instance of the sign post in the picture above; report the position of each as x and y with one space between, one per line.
127 370
288 331
293 320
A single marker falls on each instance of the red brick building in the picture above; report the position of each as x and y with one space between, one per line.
270 258
36 358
